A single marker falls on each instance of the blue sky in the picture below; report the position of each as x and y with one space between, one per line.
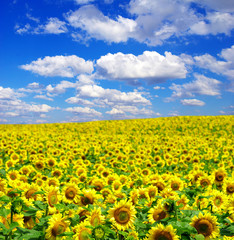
85 60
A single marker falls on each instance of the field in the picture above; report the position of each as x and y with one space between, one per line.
157 179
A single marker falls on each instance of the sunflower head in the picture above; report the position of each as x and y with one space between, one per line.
122 215
57 226
206 225
162 233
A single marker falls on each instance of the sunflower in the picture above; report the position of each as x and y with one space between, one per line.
176 184
96 218
220 175
88 196
152 192
122 215
82 231
19 218
157 213
229 186
30 190
218 200
52 196
53 182
70 193
160 232
57 226
206 225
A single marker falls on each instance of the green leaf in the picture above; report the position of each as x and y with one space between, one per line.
5 199
38 192
199 237
41 205
4 212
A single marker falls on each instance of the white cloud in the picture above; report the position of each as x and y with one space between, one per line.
43 108
111 96
200 86
225 67
9 93
115 111
218 5
158 20
86 111
61 87
96 25
34 19
77 100
63 66
192 102
34 85
158 87
52 26
214 23
81 2
22 30
41 121
150 66
43 97
3 120
173 114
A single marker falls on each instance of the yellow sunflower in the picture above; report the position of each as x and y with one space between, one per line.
57 226
206 225
82 231
52 196
88 196
160 232
70 193
157 213
96 218
122 215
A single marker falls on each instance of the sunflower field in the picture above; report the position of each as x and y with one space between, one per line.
157 179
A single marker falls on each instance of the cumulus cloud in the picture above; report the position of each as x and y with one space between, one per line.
150 66
111 96
62 66
77 100
43 97
192 102
223 67
81 2
224 5
61 87
9 93
200 86
52 26
95 25
214 23
158 20
85 111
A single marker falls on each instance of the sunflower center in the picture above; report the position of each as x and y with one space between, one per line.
219 177
152 193
70 193
217 201
159 214
204 227
58 229
85 201
162 235
84 235
29 194
95 220
122 215
230 189
52 199
175 186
